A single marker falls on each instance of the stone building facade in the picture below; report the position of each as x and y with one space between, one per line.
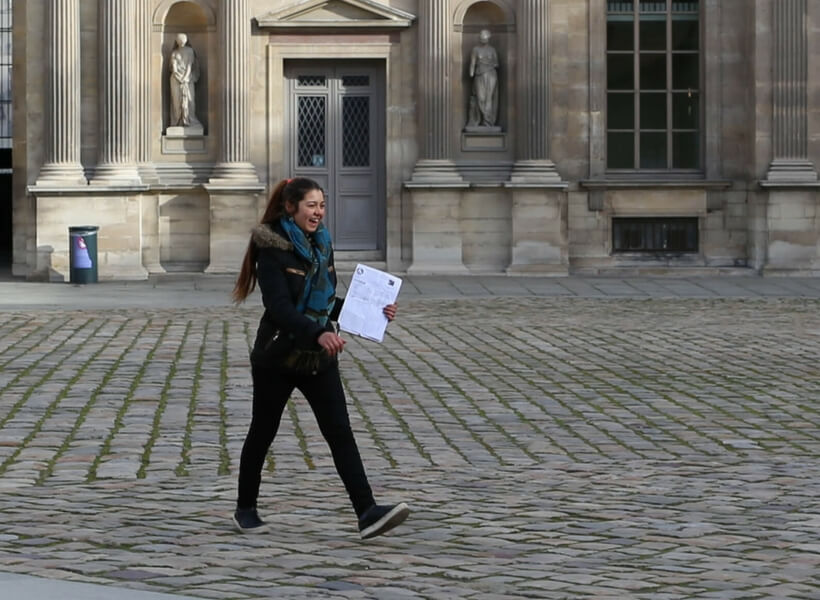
677 136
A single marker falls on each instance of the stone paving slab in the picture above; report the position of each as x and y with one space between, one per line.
550 447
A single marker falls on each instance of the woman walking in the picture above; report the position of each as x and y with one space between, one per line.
290 257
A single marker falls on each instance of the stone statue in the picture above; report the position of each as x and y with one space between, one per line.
184 75
483 109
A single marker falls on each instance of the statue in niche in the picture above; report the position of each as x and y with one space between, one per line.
483 108
184 67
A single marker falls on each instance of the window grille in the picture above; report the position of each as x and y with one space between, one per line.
664 234
312 119
312 81
356 131
653 85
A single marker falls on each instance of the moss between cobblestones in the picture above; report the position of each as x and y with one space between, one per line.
20 403
395 378
300 436
92 398
185 454
38 425
717 382
224 456
479 411
469 373
371 429
145 459
402 423
490 450
105 448
502 371
30 335
640 381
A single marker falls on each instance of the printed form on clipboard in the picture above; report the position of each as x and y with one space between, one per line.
370 290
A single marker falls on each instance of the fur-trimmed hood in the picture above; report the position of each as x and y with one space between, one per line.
265 237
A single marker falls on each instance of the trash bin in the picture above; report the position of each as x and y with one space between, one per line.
82 253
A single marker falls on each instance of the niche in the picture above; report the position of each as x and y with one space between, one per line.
197 24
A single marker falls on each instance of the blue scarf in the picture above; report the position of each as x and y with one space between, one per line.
319 294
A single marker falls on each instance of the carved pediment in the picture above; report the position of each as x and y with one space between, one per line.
336 14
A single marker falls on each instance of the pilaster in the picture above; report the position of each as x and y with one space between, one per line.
117 164
532 165
144 91
435 166
234 48
62 161
790 98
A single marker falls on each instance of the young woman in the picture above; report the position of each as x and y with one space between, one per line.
290 256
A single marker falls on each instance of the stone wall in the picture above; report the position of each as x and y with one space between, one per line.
532 197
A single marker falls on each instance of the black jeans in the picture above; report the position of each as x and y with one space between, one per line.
324 393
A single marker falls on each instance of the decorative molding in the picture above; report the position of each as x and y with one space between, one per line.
639 184
336 14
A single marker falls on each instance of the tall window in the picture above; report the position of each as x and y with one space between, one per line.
653 85
5 81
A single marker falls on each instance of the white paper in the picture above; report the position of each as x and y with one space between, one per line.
370 290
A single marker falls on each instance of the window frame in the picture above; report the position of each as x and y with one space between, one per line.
708 115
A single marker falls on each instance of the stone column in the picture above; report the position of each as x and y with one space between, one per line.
117 164
62 153
539 205
144 92
790 98
532 163
435 165
234 49
435 183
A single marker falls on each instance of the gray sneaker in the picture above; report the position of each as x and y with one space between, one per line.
379 519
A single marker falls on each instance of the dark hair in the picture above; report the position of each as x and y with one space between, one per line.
284 199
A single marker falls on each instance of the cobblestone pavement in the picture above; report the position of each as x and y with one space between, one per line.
549 448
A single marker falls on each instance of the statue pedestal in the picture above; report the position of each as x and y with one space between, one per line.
184 140
483 139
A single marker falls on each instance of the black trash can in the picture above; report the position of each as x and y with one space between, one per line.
82 253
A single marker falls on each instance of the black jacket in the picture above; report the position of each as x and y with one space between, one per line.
280 274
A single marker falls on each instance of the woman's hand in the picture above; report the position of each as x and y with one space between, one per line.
331 343
390 311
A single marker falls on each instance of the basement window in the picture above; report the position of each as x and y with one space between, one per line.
655 234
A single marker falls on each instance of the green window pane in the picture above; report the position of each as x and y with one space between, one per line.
653 71
653 32
620 6
620 111
685 6
653 111
685 33
685 71
619 34
685 111
686 150
652 6
653 150
620 72
620 150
